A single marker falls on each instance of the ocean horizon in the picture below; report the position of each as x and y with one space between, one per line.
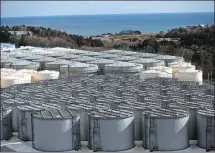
90 25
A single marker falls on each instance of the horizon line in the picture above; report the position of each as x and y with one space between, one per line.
102 14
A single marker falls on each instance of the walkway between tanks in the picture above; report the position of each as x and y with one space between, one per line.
16 145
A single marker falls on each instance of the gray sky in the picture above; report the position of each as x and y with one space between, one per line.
51 8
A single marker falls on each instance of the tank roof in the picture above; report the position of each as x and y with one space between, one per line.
110 114
206 112
55 114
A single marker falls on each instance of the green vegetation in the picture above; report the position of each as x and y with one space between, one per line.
46 37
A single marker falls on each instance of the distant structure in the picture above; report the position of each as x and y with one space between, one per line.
19 33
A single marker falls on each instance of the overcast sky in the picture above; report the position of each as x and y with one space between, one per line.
51 8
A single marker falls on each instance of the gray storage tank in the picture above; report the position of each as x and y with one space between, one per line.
206 129
56 130
111 131
148 62
24 115
165 129
6 123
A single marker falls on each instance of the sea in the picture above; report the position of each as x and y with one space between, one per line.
91 25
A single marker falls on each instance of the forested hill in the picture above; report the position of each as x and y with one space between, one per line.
45 37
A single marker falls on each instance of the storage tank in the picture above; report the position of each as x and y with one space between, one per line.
146 55
56 65
137 109
123 68
84 109
108 56
101 64
69 57
127 53
6 123
24 65
169 59
24 115
84 59
111 131
148 62
125 58
78 69
191 75
205 129
14 103
46 75
165 129
61 126
153 74
112 51
43 61
92 54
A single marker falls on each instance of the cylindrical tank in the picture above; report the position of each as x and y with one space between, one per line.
123 68
205 128
79 69
14 103
137 109
165 129
153 74
56 130
6 123
146 55
84 59
46 75
191 75
108 56
169 59
101 64
25 126
56 65
148 62
25 65
111 130
125 58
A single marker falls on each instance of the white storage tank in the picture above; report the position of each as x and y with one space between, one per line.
169 59
78 69
123 68
46 75
191 75
60 130
206 129
165 129
101 64
111 131
148 62
153 74
6 130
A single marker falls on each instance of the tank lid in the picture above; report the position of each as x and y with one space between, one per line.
110 114
56 114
